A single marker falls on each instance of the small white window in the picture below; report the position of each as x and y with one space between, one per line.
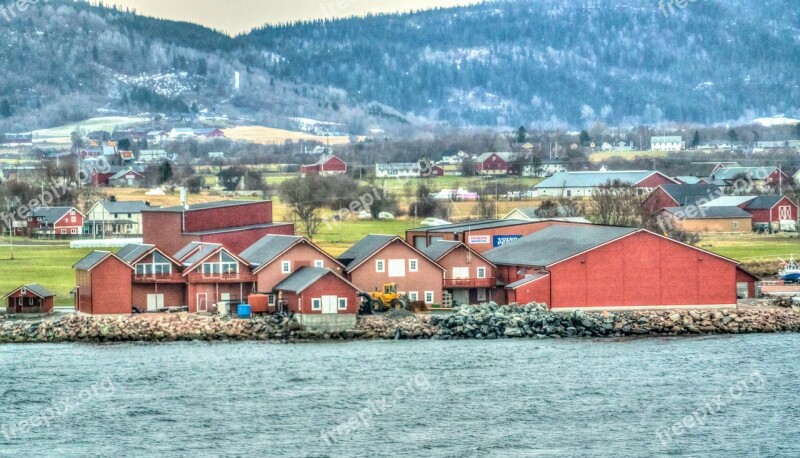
286 267
72 213
316 304
63 231
272 299
481 272
380 266
413 296
413 265
319 263
342 303
74 231
429 297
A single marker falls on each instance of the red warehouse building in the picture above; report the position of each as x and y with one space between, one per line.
234 224
103 285
157 282
55 222
327 165
384 259
482 236
600 267
215 275
469 278
30 299
680 195
774 211
275 258
318 291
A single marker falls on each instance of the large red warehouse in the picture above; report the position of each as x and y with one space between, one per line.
234 224
605 267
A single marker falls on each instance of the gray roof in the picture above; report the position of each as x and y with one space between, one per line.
364 249
729 201
203 250
764 202
733 173
302 279
688 179
268 248
439 248
593 179
124 172
554 244
471 225
118 208
132 252
507 157
526 280
92 259
51 214
205 206
36 289
709 213
691 194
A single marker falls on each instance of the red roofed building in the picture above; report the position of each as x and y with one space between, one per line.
103 285
327 165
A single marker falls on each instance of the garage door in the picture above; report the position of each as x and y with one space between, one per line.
397 268
155 302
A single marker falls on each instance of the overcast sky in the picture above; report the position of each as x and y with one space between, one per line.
236 16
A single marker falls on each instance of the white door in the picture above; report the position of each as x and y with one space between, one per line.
397 268
155 302
202 303
330 305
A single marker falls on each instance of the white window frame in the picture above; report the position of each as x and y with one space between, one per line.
342 303
380 266
413 296
316 304
286 268
430 296
319 263
73 231
413 265
481 272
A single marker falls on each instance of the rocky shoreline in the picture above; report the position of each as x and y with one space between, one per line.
469 322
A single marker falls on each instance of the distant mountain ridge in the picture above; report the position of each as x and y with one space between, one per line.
545 63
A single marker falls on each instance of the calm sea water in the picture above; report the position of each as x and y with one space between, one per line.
415 399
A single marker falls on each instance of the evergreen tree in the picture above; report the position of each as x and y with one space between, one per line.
733 136
696 139
5 108
522 135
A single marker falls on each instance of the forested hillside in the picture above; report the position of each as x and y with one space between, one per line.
545 63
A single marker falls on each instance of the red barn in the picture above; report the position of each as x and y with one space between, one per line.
30 299
215 275
103 285
494 163
55 222
234 224
601 267
680 195
772 210
327 165
157 282
318 291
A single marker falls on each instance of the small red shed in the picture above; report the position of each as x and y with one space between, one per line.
104 285
30 299
318 291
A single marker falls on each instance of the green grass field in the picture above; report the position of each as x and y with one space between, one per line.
336 238
751 248
49 265
625 155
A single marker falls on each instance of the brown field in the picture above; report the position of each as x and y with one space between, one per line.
271 136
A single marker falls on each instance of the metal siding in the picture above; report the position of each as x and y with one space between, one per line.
226 217
111 292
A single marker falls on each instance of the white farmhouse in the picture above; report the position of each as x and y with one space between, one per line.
667 143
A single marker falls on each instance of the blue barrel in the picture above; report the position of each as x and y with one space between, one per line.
244 310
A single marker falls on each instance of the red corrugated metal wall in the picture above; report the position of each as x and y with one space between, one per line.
643 270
